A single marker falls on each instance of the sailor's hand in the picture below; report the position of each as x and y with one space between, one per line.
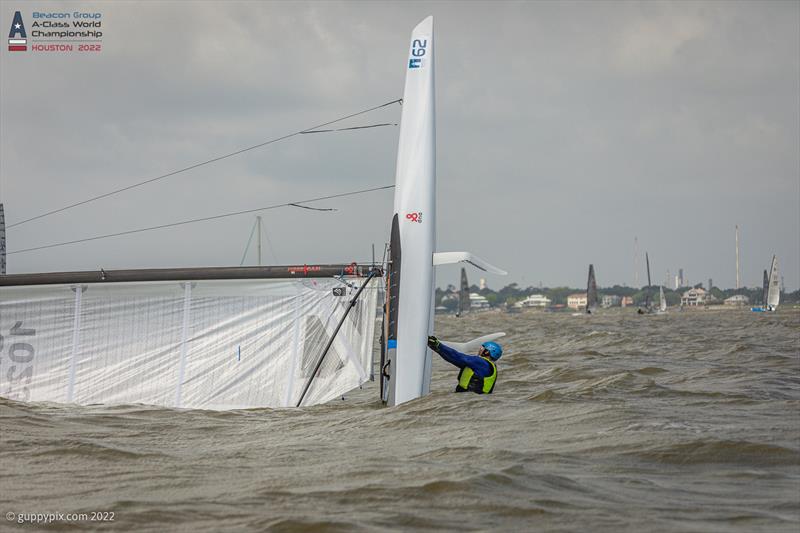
433 343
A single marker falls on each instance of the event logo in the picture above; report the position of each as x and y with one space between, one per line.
57 31
415 217
17 38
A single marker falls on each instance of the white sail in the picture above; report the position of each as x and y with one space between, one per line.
662 302
411 277
212 344
774 293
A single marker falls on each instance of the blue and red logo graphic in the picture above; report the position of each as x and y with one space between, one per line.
17 38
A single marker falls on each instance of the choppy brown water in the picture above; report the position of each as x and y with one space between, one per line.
614 422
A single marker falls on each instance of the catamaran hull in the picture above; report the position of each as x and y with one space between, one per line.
406 373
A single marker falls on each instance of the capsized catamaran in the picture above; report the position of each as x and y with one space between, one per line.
242 337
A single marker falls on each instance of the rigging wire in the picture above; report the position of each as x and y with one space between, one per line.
196 165
203 219
313 208
350 128
249 240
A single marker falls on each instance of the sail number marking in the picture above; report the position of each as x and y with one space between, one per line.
418 49
21 355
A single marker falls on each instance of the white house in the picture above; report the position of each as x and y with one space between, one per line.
577 301
476 301
610 300
737 299
534 300
694 297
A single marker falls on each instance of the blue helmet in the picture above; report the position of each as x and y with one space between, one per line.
494 349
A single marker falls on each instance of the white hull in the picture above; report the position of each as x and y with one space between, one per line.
414 228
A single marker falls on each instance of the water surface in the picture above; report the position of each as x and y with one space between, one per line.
612 422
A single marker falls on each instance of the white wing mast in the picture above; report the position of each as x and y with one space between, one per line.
406 373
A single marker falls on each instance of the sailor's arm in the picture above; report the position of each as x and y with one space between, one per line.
478 364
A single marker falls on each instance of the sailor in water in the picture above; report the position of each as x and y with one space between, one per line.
478 372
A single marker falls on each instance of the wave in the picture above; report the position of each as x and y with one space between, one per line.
712 451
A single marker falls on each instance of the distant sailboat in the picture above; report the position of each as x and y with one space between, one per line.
774 292
662 301
463 294
591 292
648 307
772 289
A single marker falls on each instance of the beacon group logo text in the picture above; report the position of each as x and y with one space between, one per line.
56 31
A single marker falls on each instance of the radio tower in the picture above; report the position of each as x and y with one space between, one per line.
737 256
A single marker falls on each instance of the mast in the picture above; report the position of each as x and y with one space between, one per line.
647 293
737 257
2 241
636 262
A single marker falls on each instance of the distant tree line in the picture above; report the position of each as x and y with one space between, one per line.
513 293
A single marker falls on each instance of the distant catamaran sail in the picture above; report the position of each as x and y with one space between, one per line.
662 301
771 294
648 303
591 292
463 294
774 293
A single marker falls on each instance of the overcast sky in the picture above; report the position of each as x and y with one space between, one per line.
564 130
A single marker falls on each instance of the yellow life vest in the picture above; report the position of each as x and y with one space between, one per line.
468 381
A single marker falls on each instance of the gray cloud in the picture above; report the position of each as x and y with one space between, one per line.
564 130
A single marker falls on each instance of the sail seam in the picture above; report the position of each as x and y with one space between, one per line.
187 302
76 339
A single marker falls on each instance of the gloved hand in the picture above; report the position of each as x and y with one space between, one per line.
433 343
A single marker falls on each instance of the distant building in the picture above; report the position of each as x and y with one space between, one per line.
577 301
610 300
626 301
534 300
476 301
694 297
737 299
482 283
